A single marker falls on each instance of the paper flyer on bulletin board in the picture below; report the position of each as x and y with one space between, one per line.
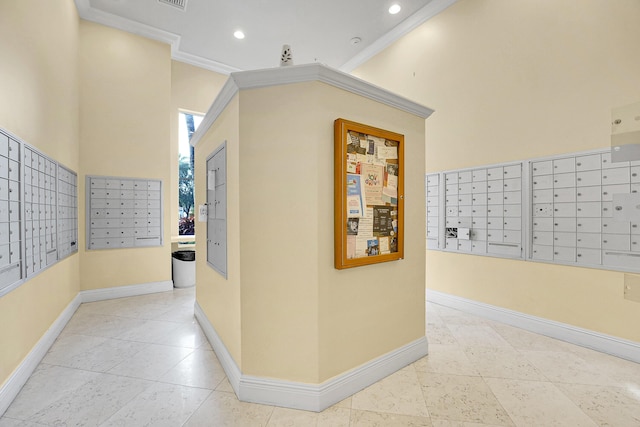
368 194
354 196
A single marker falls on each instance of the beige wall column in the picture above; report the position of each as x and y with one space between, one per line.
284 313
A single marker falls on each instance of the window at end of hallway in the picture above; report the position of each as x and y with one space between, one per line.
188 123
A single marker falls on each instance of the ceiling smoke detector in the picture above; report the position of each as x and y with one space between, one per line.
180 4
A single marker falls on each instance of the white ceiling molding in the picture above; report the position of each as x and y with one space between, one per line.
297 74
94 15
226 94
201 62
88 13
409 24
174 39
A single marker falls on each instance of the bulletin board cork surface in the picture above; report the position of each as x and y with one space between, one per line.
369 195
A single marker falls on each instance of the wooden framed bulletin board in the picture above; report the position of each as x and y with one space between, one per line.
369 195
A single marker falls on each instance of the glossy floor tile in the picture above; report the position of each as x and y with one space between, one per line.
144 361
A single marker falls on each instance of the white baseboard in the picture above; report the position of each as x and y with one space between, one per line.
309 397
19 377
125 291
224 357
317 397
608 344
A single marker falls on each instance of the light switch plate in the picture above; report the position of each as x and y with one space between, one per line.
632 287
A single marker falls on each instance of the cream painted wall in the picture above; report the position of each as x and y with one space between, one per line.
279 209
368 311
512 80
125 105
303 320
39 93
300 319
193 89
123 84
218 297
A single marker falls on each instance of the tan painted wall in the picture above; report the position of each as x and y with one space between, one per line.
70 81
125 104
513 80
280 159
39 104
302 320
193 89
218 297
366 312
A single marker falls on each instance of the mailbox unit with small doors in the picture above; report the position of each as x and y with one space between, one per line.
575 209
483 211
38 211
11 237
217 210
432 186
575 215
123 212
67 212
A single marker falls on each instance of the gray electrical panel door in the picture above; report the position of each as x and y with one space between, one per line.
217 210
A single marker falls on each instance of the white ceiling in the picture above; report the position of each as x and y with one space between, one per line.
317 30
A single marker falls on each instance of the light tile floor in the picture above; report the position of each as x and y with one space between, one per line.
144 361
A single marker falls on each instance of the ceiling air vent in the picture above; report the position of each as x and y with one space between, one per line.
180 4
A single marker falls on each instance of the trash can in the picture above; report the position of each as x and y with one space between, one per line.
183 265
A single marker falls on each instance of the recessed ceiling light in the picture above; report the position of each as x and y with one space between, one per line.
395 8
238 34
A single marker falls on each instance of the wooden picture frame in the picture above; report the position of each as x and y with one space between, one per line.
368 173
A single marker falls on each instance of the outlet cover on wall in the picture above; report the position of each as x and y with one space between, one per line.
632 287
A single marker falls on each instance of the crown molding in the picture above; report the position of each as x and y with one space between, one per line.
298 74
226 94
412 22
198 61
88 13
